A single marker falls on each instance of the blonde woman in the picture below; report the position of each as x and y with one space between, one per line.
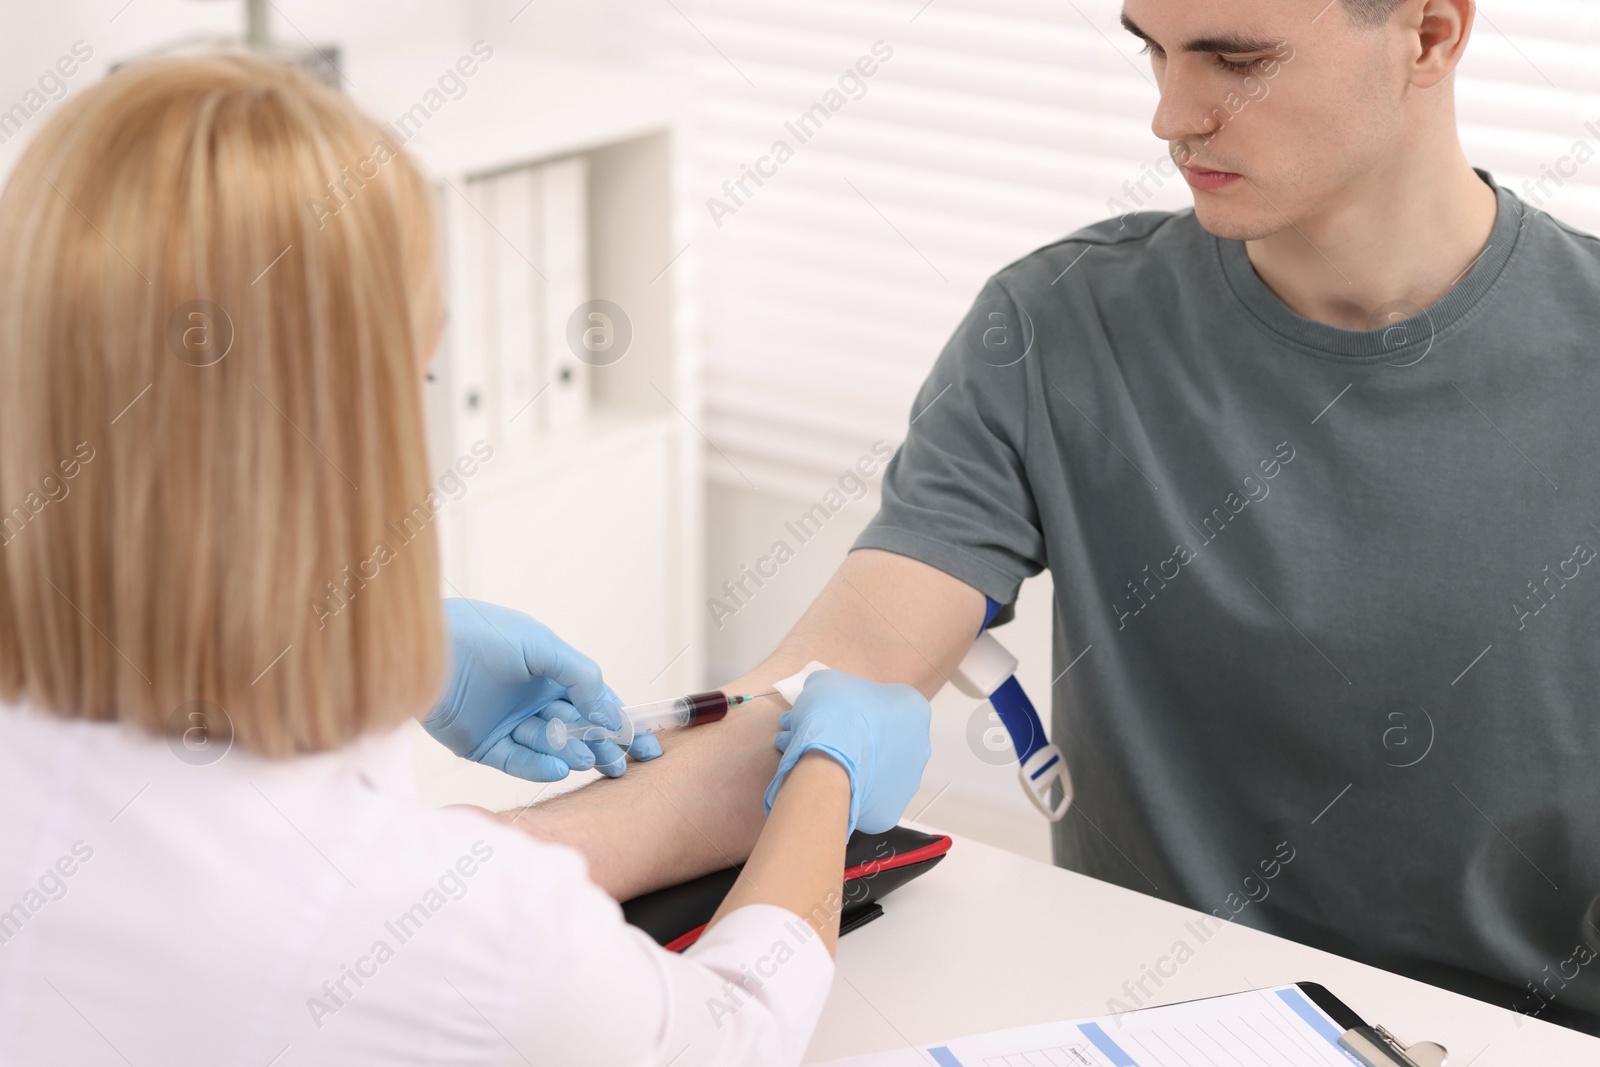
210 846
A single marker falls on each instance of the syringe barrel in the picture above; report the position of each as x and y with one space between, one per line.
678 712
659 715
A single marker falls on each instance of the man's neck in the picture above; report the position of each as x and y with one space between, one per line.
1395 244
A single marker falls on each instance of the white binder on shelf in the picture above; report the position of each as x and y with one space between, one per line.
525 273
564 229
511 309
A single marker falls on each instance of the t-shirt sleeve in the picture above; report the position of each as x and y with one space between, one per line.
956 495
749 993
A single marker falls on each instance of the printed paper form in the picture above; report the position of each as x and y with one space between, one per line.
1276 1027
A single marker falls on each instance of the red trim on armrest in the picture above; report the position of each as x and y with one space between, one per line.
683 941
933 850
927 852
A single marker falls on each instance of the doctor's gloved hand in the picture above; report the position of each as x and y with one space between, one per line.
510 678
877 732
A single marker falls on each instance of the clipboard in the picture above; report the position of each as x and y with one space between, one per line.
1291 1025
1371 1044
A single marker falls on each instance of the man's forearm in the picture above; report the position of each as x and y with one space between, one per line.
698 808
695 809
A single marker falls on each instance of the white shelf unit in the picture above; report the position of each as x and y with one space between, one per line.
590 523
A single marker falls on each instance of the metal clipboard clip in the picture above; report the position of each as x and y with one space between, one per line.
1377 1047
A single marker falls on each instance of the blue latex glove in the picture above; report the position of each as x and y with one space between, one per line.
877 732
510 677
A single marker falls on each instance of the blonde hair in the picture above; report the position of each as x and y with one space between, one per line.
211 388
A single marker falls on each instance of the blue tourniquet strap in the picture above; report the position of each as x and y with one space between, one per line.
1020 720
1016 711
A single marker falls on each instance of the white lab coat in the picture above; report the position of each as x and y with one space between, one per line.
253 912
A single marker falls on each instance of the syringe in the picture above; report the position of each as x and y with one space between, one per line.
654 717
678 712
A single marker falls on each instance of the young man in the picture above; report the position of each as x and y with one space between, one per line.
1315 469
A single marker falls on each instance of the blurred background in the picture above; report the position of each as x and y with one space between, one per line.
701 253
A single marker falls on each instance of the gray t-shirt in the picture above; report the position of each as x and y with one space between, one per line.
1330 599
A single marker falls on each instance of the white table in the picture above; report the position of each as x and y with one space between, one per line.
989 940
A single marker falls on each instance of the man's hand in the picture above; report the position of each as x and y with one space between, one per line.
510 677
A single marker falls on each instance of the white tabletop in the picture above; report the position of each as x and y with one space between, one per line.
989 940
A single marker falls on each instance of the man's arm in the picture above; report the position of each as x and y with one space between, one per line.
883 617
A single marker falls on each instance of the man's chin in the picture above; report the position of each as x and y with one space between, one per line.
1234 221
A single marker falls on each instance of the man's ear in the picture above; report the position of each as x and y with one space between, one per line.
1441 29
